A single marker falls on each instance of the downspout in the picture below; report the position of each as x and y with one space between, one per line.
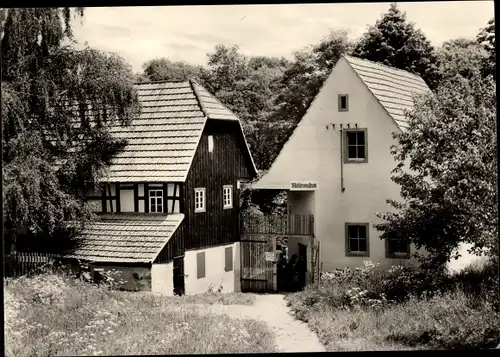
342 188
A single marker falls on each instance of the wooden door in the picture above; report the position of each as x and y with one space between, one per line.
179 275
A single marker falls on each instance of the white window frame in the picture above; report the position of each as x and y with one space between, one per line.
157 199
200 199
210 143
227 196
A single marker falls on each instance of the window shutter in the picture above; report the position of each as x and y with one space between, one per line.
200 265
229 259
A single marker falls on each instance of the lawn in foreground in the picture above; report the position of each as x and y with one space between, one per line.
54 315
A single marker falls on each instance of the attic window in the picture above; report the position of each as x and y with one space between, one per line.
343 103
210 143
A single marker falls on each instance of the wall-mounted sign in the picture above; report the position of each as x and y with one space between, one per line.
269 257
303 186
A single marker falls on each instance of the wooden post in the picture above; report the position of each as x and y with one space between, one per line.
275 265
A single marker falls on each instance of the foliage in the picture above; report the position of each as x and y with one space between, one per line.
57 104
396 42
248 86
163 69
400 308
449 192
486 38
304 77
54 314
461 57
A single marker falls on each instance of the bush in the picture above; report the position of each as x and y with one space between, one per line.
401 307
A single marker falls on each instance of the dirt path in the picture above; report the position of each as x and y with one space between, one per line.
291 335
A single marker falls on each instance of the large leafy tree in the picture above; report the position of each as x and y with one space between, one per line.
449 188
461 57
57 105
160 69
398 43
248 86
304 77
486 38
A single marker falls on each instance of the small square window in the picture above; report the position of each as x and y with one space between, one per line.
397 248
343 102
357 239
156 201
356 146
199 199
227 196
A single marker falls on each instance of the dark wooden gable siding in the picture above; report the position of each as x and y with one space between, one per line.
225 165
175 246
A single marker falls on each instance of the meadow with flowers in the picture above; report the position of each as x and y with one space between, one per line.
56 314
401 308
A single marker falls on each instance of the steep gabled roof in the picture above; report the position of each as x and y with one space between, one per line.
163 140
392 87
122 238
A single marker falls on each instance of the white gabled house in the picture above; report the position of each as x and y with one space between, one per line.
337 163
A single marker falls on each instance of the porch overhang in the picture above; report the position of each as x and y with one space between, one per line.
302 185
266 186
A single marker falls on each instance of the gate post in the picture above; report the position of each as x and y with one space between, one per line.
275 266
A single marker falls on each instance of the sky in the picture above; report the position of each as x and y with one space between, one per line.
188 33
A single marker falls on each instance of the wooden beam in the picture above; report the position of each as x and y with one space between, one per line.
136 197
146 197
118 203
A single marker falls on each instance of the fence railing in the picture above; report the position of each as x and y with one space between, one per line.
21 263
295 224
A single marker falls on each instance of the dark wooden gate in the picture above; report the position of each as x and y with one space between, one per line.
179 275
258 263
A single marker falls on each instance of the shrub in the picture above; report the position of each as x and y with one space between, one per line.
401 307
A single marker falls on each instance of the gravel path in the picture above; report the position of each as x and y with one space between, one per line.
291 335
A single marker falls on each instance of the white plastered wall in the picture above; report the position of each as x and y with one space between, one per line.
215 274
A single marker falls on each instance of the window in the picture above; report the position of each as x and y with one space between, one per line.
228 266
156 201
210 143
397 248
357 241
356 146
227 196
199 199
343 103
200 265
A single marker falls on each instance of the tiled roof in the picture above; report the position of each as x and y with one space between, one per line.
122 238
162 141
393 88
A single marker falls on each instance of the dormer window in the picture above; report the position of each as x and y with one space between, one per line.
343 102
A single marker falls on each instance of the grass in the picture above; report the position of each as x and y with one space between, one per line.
350 319
51 314
213 298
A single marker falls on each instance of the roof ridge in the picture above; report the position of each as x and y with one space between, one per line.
383 65
193 84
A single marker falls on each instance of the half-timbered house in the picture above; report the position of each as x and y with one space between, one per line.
169 203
